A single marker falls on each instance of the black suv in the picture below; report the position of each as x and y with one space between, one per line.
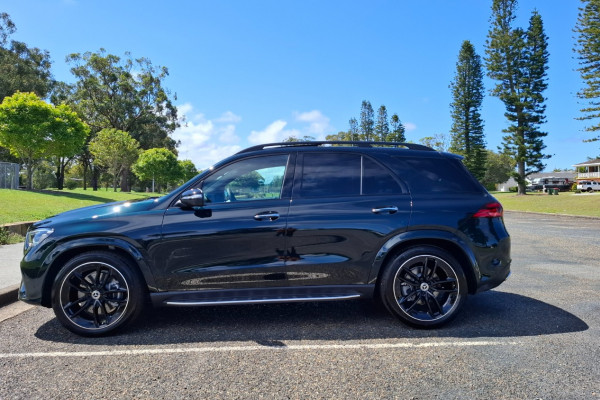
282 222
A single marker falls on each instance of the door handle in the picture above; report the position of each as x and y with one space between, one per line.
385 210
267 215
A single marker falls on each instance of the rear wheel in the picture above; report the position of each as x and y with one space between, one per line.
97 293
424 286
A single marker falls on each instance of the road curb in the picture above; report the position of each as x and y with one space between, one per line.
8 295
552 214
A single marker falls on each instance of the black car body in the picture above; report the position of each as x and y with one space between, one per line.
278 223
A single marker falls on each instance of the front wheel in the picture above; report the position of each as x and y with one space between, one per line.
97 293
424 287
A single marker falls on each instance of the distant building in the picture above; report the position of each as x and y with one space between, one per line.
570 175
589 170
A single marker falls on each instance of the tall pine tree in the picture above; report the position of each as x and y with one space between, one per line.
467 126
366 121
588 49
382 129
518 60
397 133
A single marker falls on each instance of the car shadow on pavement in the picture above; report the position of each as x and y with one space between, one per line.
489 314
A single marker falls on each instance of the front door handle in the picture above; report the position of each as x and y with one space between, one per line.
267 215
385 210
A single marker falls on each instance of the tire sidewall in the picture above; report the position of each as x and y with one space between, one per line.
386 283
128 272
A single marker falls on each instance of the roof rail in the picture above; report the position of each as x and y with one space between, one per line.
411 146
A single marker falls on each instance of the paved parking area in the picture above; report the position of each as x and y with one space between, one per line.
536 337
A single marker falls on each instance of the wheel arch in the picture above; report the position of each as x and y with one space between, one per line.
441 239
69 250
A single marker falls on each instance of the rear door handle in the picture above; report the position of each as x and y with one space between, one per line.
267 215
385 210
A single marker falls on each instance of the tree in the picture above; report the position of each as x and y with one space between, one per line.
518 60
439 141
366 121
397 133
68 135
498 169
188 170
588 50
116 150
304 138
158 165
467 126
353 132
22 68
126 95
33 129
382 129
25 122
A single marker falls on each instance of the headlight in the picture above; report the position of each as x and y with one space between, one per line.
36 237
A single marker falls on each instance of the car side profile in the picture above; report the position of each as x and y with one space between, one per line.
281 222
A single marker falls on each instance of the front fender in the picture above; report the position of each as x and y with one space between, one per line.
39 276
439 238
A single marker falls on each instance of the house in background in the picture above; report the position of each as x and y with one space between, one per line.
570 175
589 170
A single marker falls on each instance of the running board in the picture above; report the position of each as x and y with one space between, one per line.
261 295
260 301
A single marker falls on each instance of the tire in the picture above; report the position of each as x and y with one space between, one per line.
589 190
425 287
97 293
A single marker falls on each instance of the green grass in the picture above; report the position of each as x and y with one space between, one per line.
20 205
565 203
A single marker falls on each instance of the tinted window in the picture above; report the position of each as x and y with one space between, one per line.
246 180
377 180
330 175
431 175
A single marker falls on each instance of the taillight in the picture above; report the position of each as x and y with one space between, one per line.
490 210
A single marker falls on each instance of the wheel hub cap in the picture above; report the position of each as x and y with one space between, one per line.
96 295
424 286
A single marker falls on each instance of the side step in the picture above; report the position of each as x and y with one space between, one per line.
261 296
265 300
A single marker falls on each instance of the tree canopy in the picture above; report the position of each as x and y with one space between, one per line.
115 150
31 129
159 165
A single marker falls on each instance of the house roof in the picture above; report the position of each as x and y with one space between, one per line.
590 162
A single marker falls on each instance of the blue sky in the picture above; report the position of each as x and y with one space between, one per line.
248 72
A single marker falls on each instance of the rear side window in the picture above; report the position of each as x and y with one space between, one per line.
435 175
344 174
325 175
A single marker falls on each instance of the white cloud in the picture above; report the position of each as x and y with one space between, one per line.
205 141
318 123
229 117
273 133
409 126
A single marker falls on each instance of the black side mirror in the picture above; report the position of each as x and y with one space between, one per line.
192 198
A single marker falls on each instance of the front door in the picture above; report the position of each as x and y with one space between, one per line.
237 240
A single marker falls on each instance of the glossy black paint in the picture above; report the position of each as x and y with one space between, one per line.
315 247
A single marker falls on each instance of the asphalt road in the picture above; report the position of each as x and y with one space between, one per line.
536 337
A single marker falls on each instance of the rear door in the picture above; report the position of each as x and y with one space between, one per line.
345 206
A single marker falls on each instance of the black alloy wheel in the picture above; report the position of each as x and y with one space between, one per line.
97 293
424 286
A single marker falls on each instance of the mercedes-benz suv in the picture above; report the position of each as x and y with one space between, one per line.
281 222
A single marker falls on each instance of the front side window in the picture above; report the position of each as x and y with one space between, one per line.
251 179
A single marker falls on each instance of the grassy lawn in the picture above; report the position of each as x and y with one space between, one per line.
20 205
564 203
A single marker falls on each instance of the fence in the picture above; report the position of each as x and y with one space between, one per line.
9 175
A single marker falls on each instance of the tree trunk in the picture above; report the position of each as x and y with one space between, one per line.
125 180
29 176
60 175
95 177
